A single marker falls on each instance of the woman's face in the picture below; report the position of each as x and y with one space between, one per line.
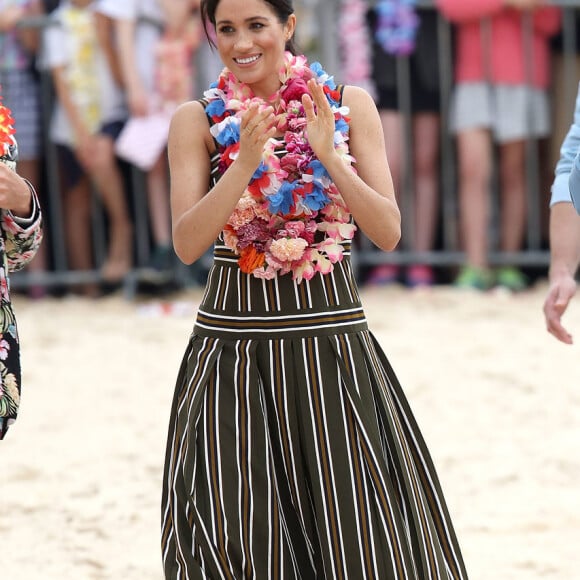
251 41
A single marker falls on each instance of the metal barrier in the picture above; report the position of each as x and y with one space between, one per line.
447 253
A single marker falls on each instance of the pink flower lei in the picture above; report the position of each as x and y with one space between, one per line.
291 218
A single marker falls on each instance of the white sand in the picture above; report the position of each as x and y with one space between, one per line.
498 400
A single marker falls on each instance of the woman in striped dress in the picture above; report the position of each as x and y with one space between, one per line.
292 451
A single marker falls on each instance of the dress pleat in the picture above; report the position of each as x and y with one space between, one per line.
292 451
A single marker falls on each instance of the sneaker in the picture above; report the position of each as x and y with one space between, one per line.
383 275
471 277
419 275
511 278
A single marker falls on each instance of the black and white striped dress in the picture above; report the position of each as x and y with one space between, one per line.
292 452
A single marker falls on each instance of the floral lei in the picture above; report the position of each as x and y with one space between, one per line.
290 198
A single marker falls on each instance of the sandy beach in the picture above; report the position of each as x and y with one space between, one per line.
498 400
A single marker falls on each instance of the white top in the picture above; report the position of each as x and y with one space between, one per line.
131 9
58 47
150 19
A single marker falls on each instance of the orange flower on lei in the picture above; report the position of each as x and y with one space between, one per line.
6 128
251 259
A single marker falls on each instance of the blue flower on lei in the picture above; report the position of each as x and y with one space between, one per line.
342 126
227 132
216 108
318 170
263 168
281 201
317 199
322 76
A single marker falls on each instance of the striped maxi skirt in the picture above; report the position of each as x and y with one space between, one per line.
292 451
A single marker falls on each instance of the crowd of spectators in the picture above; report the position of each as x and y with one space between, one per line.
116 71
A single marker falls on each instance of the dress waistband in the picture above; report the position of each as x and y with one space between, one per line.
306 324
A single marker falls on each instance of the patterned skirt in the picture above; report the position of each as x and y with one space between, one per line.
292 451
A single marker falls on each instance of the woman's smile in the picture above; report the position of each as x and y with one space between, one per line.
247 60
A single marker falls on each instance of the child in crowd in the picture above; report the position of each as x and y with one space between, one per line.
399 30
501 97
149 32
88 115
374 42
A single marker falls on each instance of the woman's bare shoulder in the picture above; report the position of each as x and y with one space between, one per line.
356 98
190 111
190 124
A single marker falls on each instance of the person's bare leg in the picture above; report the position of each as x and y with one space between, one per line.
513 195
77 224
158 195
159 216
426 176
474 158
426 194
109 183
392 123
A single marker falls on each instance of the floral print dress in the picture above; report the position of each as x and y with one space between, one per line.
19 241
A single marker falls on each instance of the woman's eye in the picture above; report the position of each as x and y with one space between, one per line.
225 29
256 25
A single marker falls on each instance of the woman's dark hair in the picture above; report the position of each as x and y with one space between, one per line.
282 8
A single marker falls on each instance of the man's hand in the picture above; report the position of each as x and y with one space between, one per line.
562 289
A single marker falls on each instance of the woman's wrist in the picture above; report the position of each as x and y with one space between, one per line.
332 161
25 208
244 170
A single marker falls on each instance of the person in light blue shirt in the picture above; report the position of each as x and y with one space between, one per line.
564 231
